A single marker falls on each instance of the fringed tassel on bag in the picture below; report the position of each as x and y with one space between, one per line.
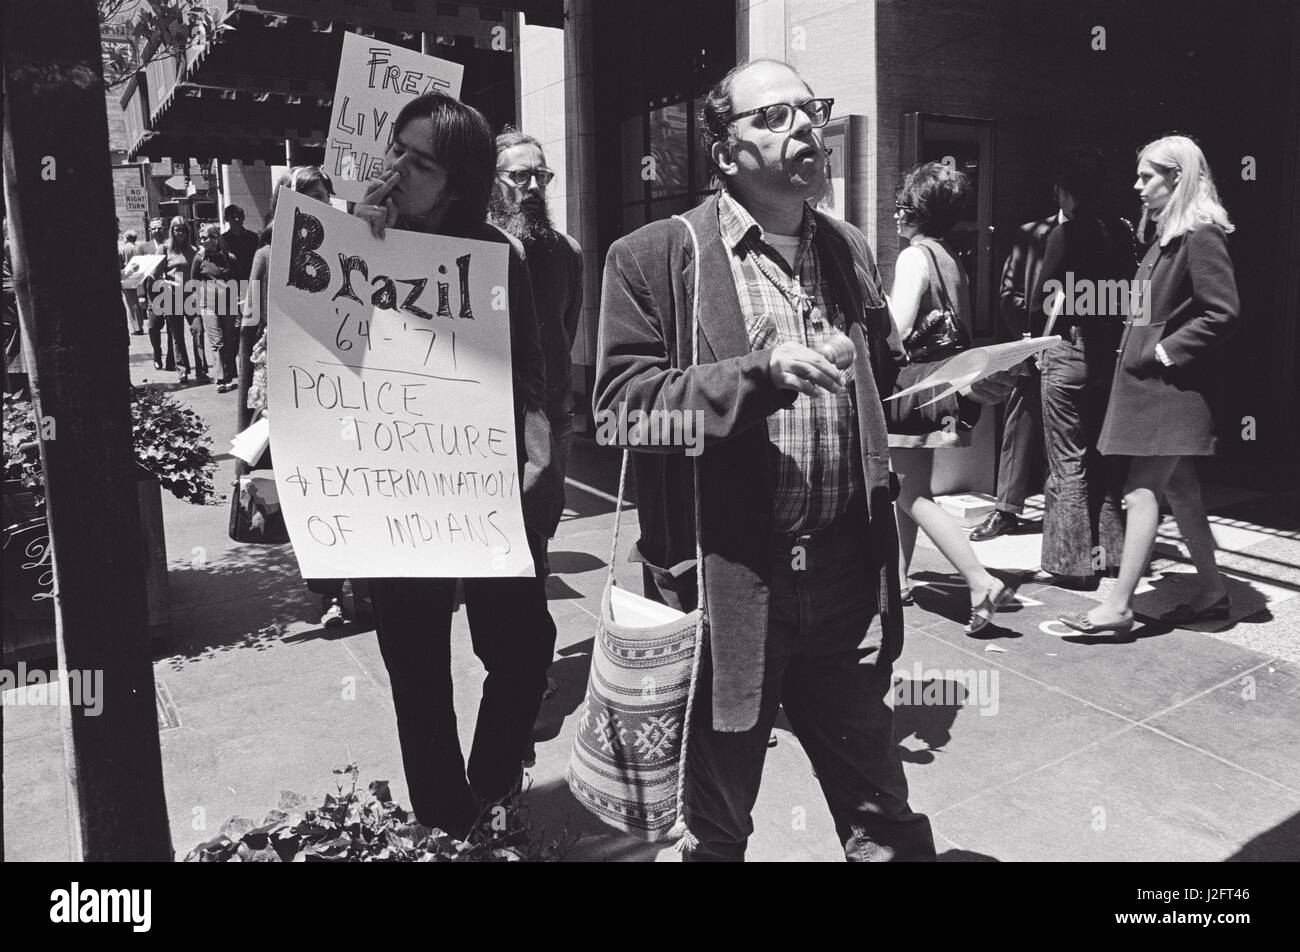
686 840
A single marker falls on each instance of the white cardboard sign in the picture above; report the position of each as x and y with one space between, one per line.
376 79
391 400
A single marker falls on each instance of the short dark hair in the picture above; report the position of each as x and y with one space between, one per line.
716 107
934 195
1081 171
232 210
509 137
298 179
463 145
131 235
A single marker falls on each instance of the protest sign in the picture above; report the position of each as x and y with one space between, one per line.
391 400
139 268
376 79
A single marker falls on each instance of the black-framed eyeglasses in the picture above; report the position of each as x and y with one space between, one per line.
520 178
779 117
899 206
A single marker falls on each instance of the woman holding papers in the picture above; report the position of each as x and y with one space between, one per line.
928 279
1160 412
439 174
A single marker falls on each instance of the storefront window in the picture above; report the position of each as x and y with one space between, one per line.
658 72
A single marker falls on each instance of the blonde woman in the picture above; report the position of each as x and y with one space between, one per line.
1160 413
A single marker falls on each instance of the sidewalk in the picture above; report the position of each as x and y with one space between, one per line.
1043 744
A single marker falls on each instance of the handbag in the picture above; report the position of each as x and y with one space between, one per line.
934 340
939 333
628 765
255 513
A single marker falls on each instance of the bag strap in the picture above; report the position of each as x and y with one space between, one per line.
685 839
938 278
622 470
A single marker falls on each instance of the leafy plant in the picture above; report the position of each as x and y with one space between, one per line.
170 441
350 828
22 461
135 33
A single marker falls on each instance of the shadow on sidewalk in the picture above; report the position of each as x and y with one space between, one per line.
230 600
1281 844
552 814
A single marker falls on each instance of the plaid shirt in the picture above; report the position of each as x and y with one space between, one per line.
814 442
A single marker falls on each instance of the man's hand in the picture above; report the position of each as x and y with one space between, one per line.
838 350
796 367
377 207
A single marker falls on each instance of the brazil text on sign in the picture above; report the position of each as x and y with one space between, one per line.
375 80
391 400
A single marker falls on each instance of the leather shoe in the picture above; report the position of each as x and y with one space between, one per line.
997 598
995 524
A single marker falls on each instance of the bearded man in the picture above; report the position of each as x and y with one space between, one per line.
518 207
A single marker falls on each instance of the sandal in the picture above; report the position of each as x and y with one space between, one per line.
994 601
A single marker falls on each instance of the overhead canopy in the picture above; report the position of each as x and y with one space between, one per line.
271 77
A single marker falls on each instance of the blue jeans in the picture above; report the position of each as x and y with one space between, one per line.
1083 524
826 665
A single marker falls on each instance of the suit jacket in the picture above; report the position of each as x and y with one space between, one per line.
645 364
1020 276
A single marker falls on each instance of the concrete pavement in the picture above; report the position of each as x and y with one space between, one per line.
1029 743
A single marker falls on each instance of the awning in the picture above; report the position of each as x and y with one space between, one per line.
271 77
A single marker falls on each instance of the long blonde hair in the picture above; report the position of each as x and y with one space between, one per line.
1195 200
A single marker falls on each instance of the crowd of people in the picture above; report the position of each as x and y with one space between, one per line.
798 452
797 346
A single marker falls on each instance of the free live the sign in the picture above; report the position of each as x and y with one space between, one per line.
391 401
375 80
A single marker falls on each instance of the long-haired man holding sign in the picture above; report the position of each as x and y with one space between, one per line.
438 176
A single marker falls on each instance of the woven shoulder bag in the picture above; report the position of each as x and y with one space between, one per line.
628 765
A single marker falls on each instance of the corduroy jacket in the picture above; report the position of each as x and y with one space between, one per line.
645 364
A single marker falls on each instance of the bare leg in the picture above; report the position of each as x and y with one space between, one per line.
1184 495
916 508
1147 478
913 468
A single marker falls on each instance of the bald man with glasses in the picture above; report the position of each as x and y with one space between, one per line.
795 496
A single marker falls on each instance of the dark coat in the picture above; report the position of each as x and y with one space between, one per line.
645 364
1020 275
1191 308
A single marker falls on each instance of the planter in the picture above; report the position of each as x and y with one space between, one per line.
29 571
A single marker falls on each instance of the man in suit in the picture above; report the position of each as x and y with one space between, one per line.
1022 431
796 526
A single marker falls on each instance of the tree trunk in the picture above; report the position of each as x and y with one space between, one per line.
59 193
